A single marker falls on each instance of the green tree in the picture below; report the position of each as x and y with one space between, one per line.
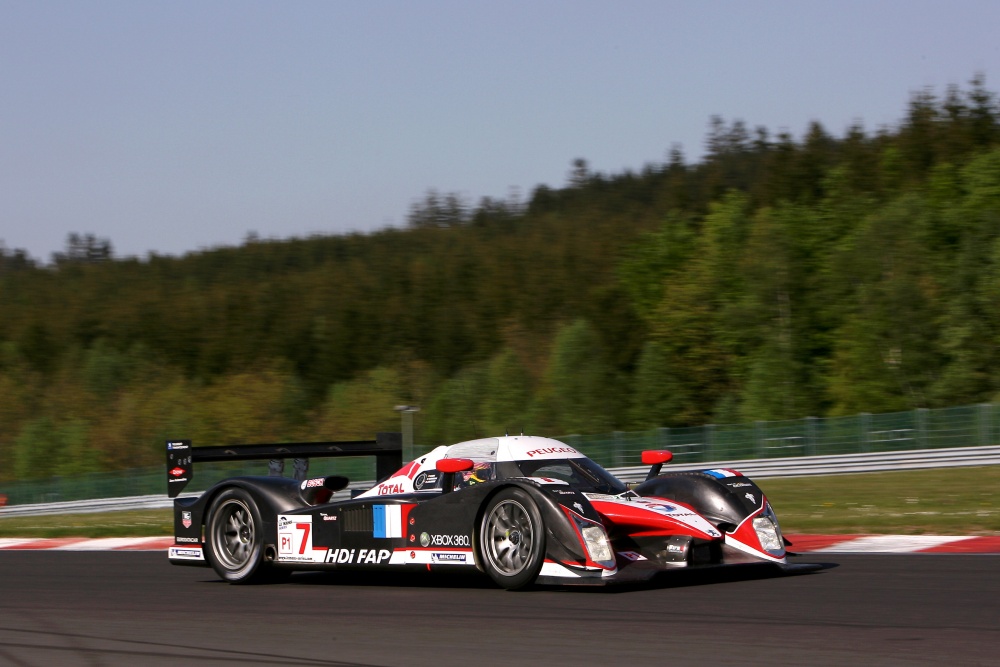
581 396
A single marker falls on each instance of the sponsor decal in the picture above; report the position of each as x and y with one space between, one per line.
739 485
186 519
313 483
750 497
425 540
447 558
664 508
548 480
446 540
176 445
425 479
386 489
177 472
195 540
563 492
328 517
542 451
357 556
185 553
631 555
387 521
579 507
675 548
295 537
600 496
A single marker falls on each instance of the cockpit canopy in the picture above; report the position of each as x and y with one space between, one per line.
504 458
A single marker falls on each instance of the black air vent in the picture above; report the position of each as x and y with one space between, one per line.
358 520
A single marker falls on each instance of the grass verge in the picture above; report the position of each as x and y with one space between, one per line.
951 501
134 523
948 501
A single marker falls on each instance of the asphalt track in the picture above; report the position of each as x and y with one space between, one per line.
132 608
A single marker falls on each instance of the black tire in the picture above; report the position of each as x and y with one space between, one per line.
234 539
512 539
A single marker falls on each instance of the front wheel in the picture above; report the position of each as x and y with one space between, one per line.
512 539
234 537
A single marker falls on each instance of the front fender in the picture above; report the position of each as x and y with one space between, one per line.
562 543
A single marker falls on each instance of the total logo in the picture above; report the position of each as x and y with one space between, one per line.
387 489
427 540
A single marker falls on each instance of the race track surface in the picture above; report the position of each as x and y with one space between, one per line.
129 608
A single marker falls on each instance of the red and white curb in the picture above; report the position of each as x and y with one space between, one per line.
850 544
87 544
895 544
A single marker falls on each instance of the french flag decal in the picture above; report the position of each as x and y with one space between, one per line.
720 473
387 521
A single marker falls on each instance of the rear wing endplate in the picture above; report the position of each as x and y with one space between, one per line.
387 448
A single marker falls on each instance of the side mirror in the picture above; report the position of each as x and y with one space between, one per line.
655 458
448 468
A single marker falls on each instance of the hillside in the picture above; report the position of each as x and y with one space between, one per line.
777 278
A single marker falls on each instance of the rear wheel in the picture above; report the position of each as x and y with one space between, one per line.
512 539
234 537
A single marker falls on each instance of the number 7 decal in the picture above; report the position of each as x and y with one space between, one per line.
305 528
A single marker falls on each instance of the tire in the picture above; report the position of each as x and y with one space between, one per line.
512 539
234 538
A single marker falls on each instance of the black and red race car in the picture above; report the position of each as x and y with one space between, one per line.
522 509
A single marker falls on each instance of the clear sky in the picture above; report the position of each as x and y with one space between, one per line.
173 126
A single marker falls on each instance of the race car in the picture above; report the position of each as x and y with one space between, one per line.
524 510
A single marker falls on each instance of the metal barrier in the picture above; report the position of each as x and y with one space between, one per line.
700 446
756 468
916 459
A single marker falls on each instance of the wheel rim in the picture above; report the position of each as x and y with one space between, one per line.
508 538
234 535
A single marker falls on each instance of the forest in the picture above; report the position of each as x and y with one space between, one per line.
777 277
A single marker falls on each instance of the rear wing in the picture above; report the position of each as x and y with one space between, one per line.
387 448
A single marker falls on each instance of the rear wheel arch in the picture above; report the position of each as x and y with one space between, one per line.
236 536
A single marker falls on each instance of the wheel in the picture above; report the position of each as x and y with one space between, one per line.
234 537
512 539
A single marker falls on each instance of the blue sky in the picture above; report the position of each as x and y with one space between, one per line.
175 126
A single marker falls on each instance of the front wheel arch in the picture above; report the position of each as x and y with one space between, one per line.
511 538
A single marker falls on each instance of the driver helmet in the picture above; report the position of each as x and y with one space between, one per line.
481 472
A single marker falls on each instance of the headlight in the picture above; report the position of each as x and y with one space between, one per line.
597 544
596 541
768 532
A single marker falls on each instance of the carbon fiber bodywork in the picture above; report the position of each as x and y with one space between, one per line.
593 532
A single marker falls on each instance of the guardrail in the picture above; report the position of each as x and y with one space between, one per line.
914 459
756 468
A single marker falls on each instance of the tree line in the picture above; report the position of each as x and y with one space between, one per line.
775 278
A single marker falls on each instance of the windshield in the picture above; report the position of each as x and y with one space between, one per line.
581 474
